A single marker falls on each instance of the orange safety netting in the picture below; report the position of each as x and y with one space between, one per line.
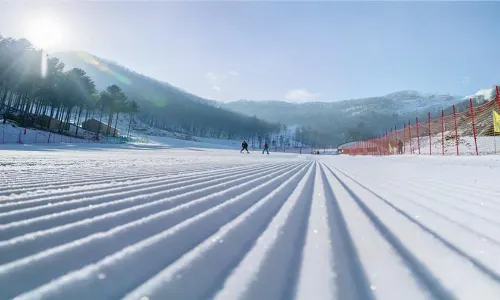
469 132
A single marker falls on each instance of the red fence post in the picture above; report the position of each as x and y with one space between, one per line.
381 140
387 141
390 141
456 131
498 97
396 135
418 135
409 135
473 124
404 135
430 137
393 140
442 132
380 144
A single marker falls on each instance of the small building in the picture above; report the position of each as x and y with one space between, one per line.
96 126
46 122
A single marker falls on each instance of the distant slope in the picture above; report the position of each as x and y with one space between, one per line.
348 119
105 72
400 103
165 106
482 96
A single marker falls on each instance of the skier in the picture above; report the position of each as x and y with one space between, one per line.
244 146
400 147
266 148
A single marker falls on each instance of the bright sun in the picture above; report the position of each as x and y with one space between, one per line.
44 32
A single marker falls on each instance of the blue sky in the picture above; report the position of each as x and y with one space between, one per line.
295 51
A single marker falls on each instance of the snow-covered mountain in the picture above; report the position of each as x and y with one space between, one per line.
412 101
337 121
399 103
482 95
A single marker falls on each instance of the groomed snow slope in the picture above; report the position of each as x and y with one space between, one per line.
153 223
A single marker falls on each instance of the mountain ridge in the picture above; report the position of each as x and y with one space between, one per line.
170 107
392 94
165 106
401 102
354 119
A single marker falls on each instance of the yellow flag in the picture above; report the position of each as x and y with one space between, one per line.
390 147
496 122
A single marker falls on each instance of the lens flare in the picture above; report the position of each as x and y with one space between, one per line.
45 32
103 67
44 64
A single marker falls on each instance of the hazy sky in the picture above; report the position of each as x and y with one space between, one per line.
284 50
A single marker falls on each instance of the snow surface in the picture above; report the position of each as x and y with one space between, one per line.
139 133
149 221
466 145
12 134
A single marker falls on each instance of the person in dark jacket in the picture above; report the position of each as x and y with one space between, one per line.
244 146
266 148
400 147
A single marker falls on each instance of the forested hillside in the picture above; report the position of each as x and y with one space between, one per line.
39 91
167 107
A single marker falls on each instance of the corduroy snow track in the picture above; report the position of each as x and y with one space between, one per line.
117 223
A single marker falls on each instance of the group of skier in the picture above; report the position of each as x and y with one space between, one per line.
244 146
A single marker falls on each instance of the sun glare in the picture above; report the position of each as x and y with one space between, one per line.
45 32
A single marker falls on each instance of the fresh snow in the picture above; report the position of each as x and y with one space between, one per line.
140 133
466 145
484 94
12 134
168 220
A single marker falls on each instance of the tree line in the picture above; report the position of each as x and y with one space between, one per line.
37 90
167 107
